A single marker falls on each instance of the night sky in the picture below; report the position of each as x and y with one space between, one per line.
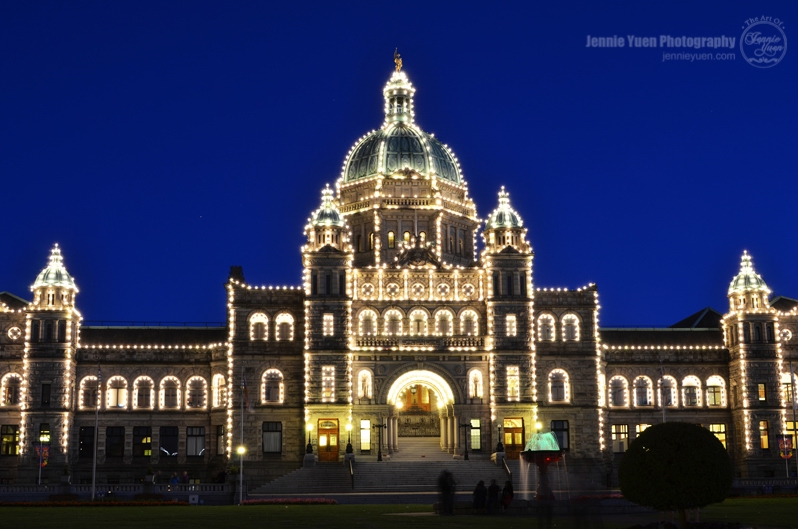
161 142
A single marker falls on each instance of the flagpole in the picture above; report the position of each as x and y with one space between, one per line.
96 429
241 446
794 436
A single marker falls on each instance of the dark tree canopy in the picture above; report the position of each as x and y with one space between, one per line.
675 466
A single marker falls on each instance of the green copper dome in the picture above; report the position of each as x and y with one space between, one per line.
327 214
400 144
504 216
747 279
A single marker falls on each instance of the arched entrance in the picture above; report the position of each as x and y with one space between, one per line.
421 405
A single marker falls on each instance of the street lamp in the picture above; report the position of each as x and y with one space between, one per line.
500 445
241 450
349 449
538 426
309 448
465 440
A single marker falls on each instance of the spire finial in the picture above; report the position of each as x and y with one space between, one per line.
397 60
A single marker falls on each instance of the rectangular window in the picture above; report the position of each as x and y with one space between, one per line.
720 432
115 441
328 384
45 395
640 428
327 325
512 325
117 397
764 435
476 434
513 384
714 396
221 441
168 441
620 437
365 435
272 437
86 442
787 388
9 440
790 427
195 441
690 396
143 397
762 393
560 431
142 441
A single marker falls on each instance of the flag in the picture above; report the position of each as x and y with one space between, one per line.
785 447
43 451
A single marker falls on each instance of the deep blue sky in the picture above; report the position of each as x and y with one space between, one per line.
161 142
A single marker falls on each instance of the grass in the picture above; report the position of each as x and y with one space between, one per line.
765 512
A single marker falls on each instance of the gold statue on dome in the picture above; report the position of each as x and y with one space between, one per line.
397 60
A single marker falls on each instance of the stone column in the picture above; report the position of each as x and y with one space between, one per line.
443 433
396 433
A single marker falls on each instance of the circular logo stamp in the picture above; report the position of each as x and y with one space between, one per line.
764 43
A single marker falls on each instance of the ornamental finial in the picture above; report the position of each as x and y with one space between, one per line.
397 60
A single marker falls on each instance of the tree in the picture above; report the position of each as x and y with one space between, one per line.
675 466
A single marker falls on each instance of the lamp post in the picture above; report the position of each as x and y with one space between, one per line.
465 440
241 450
379 428
309 447
500 445
349 449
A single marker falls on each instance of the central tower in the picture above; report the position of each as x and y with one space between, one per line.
401 187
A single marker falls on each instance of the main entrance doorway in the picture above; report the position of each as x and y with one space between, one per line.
513 437
328 439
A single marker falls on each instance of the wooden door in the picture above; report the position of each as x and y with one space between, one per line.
328 439
513 437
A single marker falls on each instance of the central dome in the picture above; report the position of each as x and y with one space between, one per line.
399 144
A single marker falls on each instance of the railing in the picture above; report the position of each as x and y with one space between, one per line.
352 472
507 469
436 343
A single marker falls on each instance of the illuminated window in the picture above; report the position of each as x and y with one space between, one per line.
667 392
640 428
406 237
116 394
762 393
720 432
443 323
787 390
272 437
327 325
371 240
195 441
476 434
9 440
512 325
365 435
285 327
558 386
196 392
619 391
273 388
422 237
620 437
418 323
546 328
258 326
9 389
562 433
328 384
219 391
643 391
393 323
142 393
89 398
142 441
468 322
364 384
570 328
368 322
691 391
170 393
475 390
764 435
513 384
716 391
391 240
115 441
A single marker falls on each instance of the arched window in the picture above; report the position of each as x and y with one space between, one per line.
170 393
273 391
443 323
364 384
559 390
406 237
285 327
469 323
393 323
371 240
422 237
475 388
619 391
668 396
546 328
359 243
258 326
367 323
219 390
116 393
644 393
757 332
570 328
142 393
716 391
391 240
197 393
9 389
89 399
691 391
418 323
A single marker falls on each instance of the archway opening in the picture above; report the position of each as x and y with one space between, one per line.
418 398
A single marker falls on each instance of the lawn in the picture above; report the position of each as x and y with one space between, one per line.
769 512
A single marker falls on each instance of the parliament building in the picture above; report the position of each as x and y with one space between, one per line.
414 319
